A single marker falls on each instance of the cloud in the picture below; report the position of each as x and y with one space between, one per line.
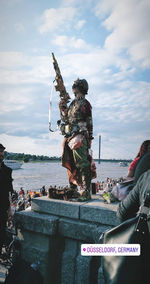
25 111
94 62
70 43
80 24
117 98
54 19
24 129
19 68
66 3
130 100
121 116
17 99
120 103
50 144
128 23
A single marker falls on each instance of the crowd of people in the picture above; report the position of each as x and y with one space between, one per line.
20 200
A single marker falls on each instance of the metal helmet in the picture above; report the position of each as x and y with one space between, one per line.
82 85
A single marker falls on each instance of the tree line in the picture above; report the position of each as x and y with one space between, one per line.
28 157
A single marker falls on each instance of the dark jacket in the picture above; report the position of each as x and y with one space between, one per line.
5 187
129 206
142 166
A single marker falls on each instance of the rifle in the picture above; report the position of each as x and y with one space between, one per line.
64 96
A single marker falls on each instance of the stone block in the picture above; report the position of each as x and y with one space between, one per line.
30 239
87 268
45 249
99 212
56 207
69 261
81 230
53 231
32 254
36 222
82 275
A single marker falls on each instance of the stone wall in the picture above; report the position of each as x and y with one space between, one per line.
52 232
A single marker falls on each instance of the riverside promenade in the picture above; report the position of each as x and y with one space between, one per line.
52 232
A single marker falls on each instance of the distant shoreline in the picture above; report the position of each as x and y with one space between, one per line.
113 160
95 160
27 158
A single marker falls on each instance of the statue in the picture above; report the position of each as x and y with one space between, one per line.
77 127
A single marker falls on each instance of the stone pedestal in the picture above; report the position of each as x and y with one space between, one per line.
52 232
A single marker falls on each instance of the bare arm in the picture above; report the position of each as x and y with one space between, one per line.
130 173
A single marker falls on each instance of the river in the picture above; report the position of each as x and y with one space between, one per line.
32 176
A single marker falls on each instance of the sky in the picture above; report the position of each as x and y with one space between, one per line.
107 42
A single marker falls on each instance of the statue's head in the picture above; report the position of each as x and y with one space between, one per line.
81 85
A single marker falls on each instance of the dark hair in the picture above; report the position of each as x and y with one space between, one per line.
2 147
143 148
82 85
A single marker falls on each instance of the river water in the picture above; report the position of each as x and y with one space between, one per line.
32 176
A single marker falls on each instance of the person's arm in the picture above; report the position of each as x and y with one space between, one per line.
130 173
10 180
132 168
87 114
129 206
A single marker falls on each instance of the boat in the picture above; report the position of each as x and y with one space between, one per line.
13 164
123 164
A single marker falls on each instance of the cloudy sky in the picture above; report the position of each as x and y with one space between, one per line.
106 42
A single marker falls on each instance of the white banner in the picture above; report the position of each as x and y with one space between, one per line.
110 249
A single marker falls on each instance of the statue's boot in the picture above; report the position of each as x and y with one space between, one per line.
86 182
74 188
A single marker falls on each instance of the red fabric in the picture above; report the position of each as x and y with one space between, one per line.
68 162
134 164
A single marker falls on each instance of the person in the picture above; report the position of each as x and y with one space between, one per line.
138 166
21 192
144 148
6 189
43 190
136 269
130 205
14 196
77 141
